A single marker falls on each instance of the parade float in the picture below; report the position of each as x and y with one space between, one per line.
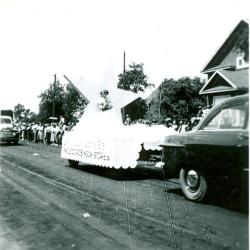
100 138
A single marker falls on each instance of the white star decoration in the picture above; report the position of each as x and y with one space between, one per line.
100 138
91 91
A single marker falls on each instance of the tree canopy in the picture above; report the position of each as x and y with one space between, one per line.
136 81
55 93
67 103
73 105
22 114
181 100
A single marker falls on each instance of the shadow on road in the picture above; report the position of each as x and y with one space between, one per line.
232 201
226 199
8 144
138 173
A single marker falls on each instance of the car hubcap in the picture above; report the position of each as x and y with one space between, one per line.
192 178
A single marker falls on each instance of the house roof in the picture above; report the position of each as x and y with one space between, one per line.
229 81
239 77
226 47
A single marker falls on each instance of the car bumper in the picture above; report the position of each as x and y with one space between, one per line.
6 136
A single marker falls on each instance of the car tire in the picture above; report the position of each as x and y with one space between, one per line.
73 164
193 184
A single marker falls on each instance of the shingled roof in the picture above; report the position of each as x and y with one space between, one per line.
226 47
228 81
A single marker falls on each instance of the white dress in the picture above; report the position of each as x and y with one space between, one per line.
100 138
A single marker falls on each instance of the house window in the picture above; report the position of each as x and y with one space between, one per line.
240 62
217 99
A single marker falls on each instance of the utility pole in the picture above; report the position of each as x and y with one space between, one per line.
159 118
123 83
54 86
124 68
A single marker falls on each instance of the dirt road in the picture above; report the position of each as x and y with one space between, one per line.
44 204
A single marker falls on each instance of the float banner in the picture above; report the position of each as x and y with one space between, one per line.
115 153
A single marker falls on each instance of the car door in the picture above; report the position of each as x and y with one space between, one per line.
221 143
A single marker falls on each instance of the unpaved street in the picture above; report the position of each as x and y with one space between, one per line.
44 204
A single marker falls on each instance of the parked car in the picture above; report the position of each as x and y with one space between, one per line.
7 131
214 154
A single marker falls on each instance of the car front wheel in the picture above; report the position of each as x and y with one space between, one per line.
193 184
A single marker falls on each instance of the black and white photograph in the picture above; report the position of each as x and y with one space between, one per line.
124 125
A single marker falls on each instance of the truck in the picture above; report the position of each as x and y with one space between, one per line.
7 131
7 112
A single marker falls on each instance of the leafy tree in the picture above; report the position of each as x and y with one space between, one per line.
181 100
32 117
68 103
54 92
136 110
19 110
73 105
22 114
134 80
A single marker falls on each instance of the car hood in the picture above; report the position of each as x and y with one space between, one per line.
6 126
179 140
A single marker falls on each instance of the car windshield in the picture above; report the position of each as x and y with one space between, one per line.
5 120
228 118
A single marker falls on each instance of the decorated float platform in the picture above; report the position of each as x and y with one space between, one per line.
100 138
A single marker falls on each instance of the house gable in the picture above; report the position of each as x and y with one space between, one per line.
227 70
226 80
218 83
226 55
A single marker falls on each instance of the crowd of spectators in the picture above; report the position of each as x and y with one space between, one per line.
47 133
52 133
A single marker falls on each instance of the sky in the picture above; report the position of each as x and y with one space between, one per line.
80 38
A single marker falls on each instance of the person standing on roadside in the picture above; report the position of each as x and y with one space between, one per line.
47 134
28 132
40 132
52 133
127 120
23 131
34 129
